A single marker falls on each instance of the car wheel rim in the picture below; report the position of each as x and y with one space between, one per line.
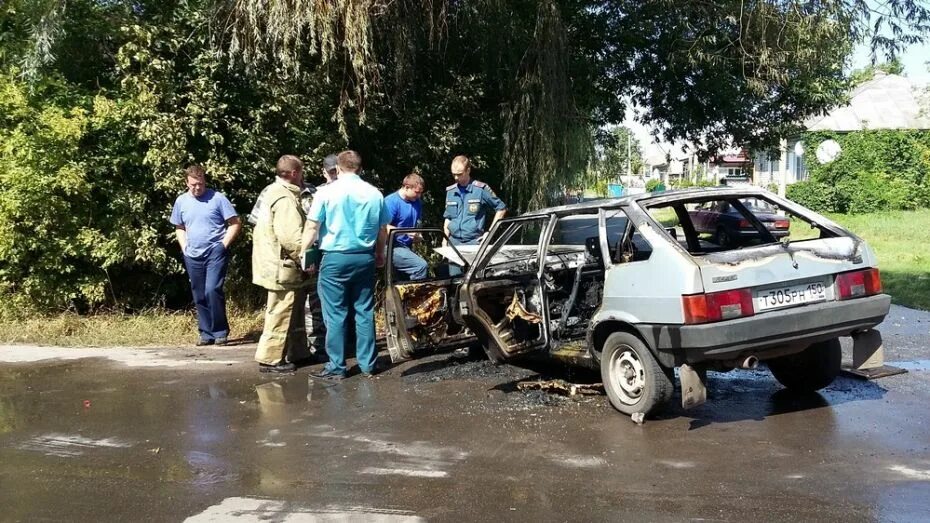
628 375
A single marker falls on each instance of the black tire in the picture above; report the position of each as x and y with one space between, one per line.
633 379
811 369
723 238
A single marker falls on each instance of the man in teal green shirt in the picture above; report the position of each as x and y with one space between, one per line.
349 217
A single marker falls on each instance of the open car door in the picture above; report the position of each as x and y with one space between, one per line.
502 298
423 315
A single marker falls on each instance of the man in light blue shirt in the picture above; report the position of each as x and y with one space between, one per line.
205 225
349 218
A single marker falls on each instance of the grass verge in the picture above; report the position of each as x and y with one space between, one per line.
901 241
149 328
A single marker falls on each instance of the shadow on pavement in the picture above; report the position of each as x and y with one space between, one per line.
755 395
735 396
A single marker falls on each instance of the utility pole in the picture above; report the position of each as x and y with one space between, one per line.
628 173
783 168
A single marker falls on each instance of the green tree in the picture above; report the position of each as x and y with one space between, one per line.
611 156
103 102
865 74
609 162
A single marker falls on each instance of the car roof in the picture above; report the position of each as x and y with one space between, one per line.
648 198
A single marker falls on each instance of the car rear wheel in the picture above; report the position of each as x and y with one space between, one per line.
811 369
633 379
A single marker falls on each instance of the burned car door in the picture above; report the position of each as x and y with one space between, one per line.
503 298
573 276
421 315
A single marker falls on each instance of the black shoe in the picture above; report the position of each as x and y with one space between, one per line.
221 341
201 342
327 375
281 368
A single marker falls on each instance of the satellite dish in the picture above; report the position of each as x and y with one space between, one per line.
799 148
828 150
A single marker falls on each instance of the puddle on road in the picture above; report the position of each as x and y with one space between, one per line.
422 431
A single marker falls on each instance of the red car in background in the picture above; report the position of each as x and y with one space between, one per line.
730 225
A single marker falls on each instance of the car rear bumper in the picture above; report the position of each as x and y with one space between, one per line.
752 233
794 326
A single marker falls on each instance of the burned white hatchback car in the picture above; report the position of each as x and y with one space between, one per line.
631 286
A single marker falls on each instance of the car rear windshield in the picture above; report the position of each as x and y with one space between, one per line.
717 223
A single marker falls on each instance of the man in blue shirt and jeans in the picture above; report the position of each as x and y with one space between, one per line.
405 209
206 224
349 218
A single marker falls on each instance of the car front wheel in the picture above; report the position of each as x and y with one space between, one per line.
633 379
811 369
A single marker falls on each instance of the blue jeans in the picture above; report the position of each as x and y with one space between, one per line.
409 263
207 276
456 270
347 282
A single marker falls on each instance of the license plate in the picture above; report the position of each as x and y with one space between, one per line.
790 296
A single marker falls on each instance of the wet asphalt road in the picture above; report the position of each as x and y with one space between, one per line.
165 435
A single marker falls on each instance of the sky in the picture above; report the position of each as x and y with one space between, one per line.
914 60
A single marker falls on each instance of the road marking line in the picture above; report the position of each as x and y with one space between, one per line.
256 509
921 475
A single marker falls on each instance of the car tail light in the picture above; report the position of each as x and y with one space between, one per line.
858 284
717 306
744 224
782 224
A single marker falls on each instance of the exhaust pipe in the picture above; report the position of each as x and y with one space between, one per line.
749 362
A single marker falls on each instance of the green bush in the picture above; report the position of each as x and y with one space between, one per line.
684 183
877 170
815 195
652 185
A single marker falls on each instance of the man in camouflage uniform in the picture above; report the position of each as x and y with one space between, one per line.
277 254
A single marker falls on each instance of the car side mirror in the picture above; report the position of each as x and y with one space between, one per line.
592 245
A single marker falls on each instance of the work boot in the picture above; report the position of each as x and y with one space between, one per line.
203 341
326 374
371 373
281 368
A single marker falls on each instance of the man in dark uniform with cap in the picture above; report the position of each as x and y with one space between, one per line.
467 204
329 169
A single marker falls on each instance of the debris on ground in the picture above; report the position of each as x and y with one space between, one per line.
535 398
562 387
453 369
